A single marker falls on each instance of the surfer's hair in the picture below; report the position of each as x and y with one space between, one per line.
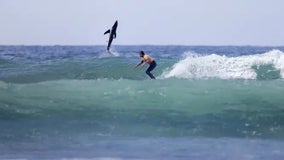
142 52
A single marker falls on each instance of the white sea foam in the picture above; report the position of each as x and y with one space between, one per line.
216 66
105 54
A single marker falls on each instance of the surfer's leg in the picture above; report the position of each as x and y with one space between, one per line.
150 68
150 75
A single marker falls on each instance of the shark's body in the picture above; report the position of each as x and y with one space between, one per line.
112 34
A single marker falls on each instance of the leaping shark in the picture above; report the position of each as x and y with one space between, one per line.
112 34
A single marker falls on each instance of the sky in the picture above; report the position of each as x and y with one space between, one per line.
142 22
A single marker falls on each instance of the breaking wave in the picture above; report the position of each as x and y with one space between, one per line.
269 65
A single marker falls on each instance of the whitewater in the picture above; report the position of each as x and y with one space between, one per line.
80 102
267 65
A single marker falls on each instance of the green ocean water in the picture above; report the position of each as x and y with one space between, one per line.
55 103
172 107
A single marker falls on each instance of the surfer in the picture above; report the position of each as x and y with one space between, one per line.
147 59
112 34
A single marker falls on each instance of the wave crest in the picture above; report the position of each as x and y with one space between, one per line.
269 65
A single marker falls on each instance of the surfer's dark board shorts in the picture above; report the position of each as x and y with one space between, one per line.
150 68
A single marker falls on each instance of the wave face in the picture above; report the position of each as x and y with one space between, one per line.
164 108
56 101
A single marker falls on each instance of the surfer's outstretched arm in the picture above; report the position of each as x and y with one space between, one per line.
140 63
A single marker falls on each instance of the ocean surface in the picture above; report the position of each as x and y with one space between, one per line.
80 102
